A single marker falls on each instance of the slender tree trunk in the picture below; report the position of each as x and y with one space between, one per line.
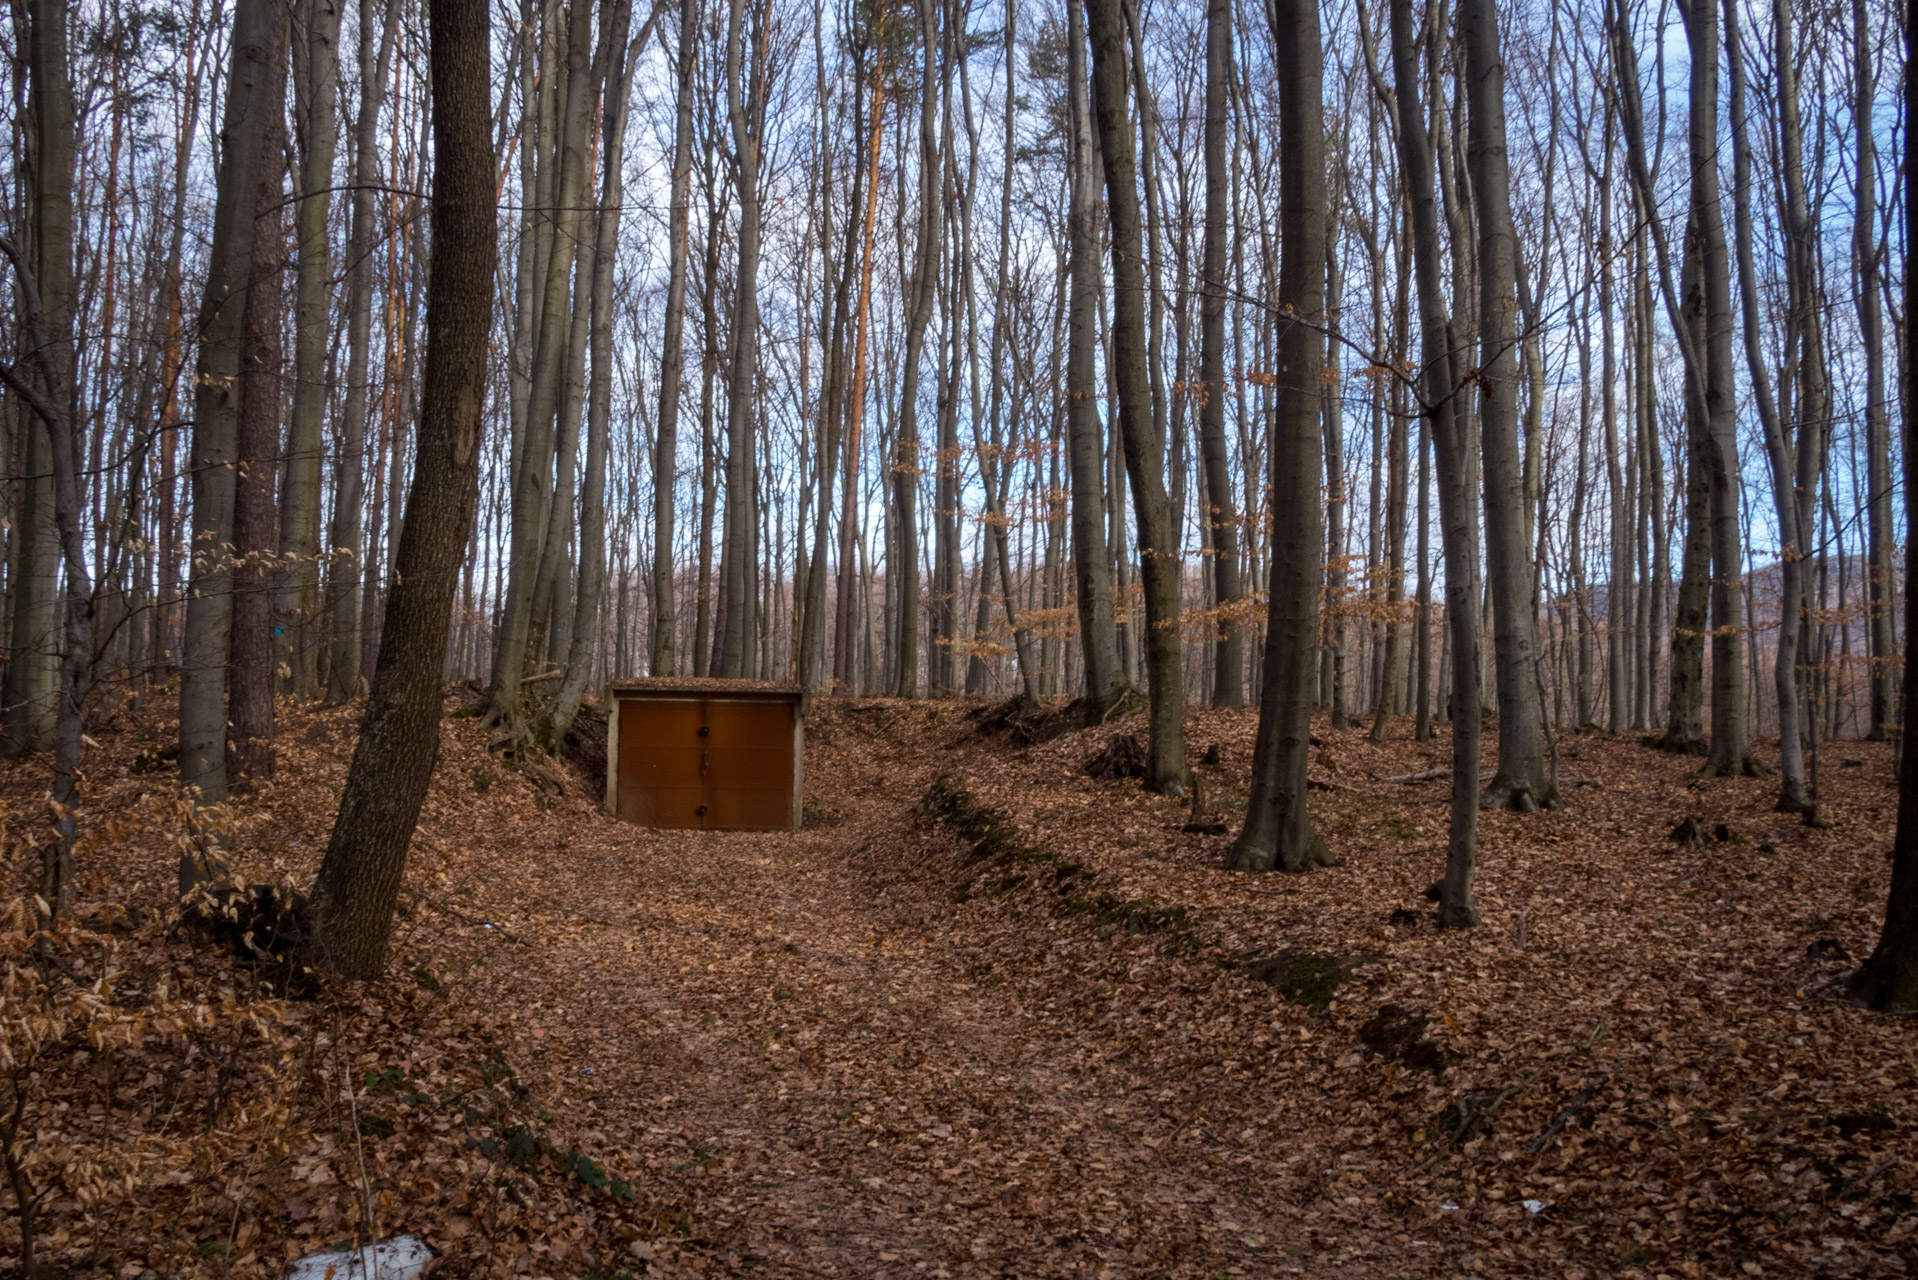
832 400
255 99
851 593
534 479
317 86
1793 797
1458 484
663 657
1880 535
249 744
1889 979
1422 615
1521 781
1730 741
1279 831
1228 685
47 384
739 571
708 477
1139 428
922 291
583 634
344 535
1333 684
1092 566
1619 592
359 879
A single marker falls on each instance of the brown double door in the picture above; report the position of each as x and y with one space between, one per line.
718 764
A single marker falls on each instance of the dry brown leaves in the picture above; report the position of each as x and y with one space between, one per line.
869 1049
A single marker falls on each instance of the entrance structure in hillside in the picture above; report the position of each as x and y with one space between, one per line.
716 755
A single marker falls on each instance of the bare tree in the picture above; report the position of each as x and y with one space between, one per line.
316 86
1521 781
256 89
359 880
1139 427
1279 831
344 553
1442 388
1228 687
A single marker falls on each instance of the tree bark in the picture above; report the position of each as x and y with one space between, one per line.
347 559
1228 682
905 464
850 594
1730 740
1441 393
359 879
1521 781
251 650
1139 428
663 654
299 541
47 305
1279 832
1790 503
583 635
255 99
533 473
1881 537
1091 563
1889 980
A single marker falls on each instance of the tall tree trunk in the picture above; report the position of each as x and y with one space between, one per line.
1730 740
851 593
1880 535
703 647
1521 781
663 656
1228 684
47 385
533 479
583 634
344 551
1439 385
924 286
1685 727
1889 979
1790 505
255 100
739 571
1279 831
1619 593
997 460
832 399
251 659
359 879
1139 427
1333 683
31 709
317 85
1391 692
1091 563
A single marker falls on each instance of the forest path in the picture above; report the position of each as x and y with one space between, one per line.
844 1088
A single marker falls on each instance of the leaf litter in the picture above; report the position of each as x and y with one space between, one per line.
986 1015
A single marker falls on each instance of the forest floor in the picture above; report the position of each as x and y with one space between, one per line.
1027 1028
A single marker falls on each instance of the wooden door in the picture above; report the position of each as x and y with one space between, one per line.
749 774
720 764
660 754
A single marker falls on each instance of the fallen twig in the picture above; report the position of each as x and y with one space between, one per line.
1569 1113
1423 775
